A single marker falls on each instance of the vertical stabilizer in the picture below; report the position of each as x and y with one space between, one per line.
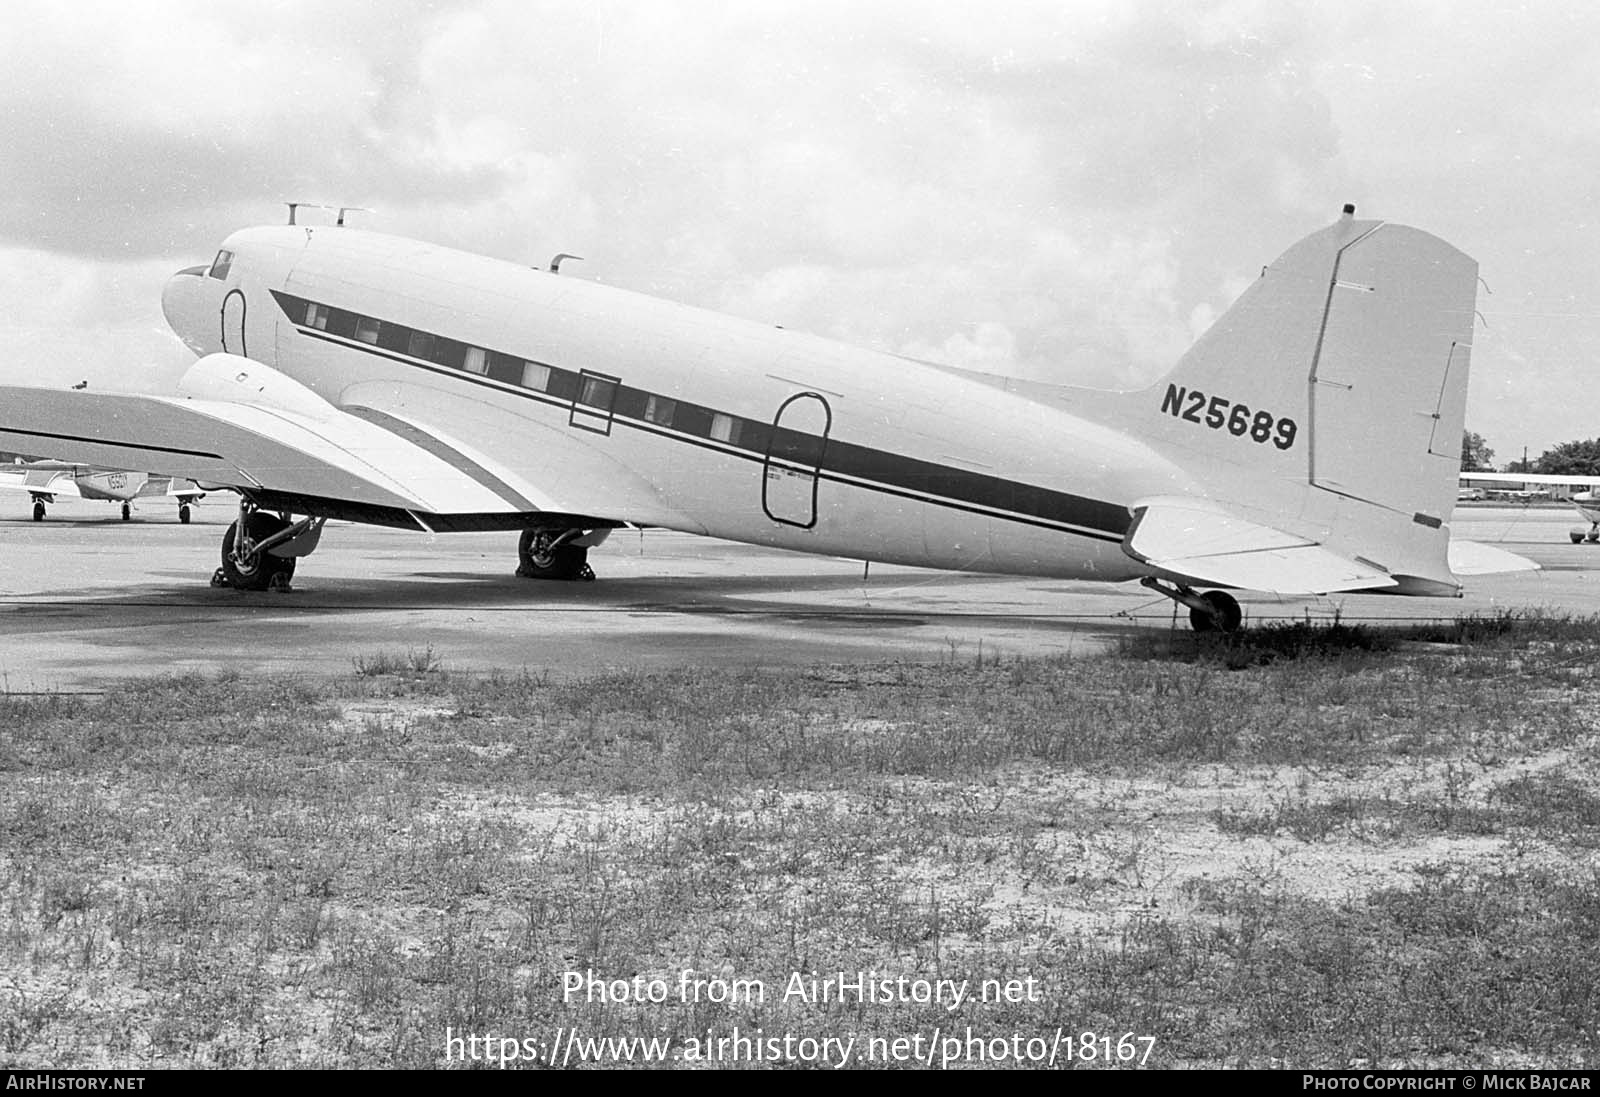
1330 399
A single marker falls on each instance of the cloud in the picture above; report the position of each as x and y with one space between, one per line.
1066 191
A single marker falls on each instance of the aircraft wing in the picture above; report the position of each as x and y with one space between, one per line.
1212 547
45 480
248 427
1531 478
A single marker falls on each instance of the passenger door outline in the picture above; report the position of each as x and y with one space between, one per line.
793 465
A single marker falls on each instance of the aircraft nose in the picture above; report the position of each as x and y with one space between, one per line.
183 304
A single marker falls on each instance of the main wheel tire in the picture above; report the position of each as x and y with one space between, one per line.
127 512
259 573
38 512
537 560
183 514
1577 536
1223 616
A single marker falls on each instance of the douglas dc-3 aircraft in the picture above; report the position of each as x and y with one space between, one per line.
44 480
1308 443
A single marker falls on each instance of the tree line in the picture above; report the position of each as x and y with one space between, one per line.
1567 459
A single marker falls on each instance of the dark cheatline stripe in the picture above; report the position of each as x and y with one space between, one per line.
843 462
445 453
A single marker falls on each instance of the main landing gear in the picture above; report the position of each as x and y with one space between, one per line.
127 512
262 556
1213 611
546 552
1591 535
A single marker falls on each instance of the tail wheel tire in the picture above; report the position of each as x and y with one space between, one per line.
536 559
1224 614
261 572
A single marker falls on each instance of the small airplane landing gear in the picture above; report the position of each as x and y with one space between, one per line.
38 511
185 512
1591 535
1213 611
544 553
127 512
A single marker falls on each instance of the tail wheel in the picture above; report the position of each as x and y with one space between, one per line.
1222 615
540 556
260 570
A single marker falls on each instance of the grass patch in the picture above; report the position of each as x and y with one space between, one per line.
415 661
335 872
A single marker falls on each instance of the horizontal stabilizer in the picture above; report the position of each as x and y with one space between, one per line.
1474 558
1202 544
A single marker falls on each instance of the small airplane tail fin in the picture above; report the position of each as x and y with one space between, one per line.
1330 399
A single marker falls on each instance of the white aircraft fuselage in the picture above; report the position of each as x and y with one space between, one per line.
1308 443
735 429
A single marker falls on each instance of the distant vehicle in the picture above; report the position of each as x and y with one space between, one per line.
44 480
1586 502
1468 495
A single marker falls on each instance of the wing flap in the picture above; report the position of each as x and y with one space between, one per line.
1202 543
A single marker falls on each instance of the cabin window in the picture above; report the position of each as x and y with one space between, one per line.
658 409
535 376
598 392
367 330
316 316
725 428
595 398
220 265
421 345
476 360
503 367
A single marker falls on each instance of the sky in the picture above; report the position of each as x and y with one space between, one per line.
1065 191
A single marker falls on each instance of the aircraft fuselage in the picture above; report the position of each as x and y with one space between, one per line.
738 430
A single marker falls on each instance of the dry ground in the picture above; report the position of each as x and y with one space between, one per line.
1313 848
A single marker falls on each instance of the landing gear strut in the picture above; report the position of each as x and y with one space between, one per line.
544 553
263 556
1213 611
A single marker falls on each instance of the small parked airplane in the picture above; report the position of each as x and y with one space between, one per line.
44 480
1307 444
1587 503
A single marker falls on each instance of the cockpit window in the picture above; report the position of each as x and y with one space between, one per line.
220 265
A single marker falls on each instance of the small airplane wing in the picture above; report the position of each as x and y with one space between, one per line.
1531 478
246 426
1205 544
40 478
